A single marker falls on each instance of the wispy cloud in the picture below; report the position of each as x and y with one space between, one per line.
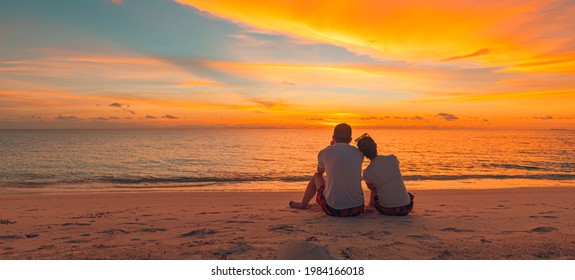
447 117
474 54
124 107
67 118
519 31
31 117
371 118
171 117
266 103
544 118
107 118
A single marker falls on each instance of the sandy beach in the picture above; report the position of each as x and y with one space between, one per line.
520 223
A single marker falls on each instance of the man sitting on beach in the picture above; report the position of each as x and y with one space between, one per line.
340 193
383 178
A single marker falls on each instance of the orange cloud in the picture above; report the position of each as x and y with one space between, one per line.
504 32
559 63
477 53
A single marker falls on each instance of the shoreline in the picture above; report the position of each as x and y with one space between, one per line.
516 223
275 186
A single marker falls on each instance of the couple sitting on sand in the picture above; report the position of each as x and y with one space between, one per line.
340 194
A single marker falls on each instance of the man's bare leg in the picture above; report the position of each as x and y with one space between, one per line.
372 194
315 182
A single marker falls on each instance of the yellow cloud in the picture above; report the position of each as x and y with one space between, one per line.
492 32
560 64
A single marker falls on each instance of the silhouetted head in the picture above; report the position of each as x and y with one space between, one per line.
367 146
342 133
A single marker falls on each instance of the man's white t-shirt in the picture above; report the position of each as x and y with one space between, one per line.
342 164
383 173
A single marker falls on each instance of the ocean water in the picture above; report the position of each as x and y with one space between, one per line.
271 159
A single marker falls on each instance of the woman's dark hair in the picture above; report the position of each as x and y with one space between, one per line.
368 147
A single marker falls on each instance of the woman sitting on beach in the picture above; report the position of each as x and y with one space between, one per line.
383 178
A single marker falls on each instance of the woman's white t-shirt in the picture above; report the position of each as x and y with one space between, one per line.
383 173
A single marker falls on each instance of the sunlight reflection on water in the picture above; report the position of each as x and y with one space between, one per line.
211 158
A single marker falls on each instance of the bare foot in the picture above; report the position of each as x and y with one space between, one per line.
296 205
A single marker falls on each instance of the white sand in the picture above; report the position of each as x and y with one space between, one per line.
524 223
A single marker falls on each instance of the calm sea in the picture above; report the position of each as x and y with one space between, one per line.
271 159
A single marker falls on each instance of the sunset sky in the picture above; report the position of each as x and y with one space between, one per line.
184 63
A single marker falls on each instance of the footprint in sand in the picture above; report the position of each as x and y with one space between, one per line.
446 254
453 229
77 241
373 234
423 237
209 213
151 229
135 223
166 219
236 248
62 238
74 224
536 204
114 231
311 238
512 231
10 237
94 215
46 247
282 228
198 233
239 222
548 212
303 250
102 246
543 229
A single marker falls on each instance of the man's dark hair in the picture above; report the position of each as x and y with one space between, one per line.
342 133
368 147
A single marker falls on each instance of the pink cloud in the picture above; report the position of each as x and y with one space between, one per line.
476 53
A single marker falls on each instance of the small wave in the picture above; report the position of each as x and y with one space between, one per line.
206 181
516 166
306 178
153 180
489 176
